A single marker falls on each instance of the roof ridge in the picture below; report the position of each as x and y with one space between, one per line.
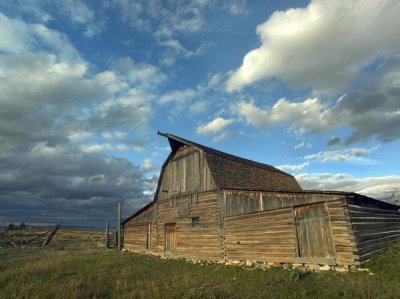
225 155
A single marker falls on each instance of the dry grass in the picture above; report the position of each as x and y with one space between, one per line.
77 266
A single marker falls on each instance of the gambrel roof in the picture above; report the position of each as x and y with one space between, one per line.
232 172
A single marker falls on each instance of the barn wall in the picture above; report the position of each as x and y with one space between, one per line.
187 172
201 242
149 215
136 236
343 235
242 225
263 220
137 229
242 202
262 236
374 227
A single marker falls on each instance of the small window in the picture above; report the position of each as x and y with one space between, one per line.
195 221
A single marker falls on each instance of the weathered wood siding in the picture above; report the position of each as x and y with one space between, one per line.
262 236
140 231
374 228
200 242
138 236
257 228
186 172
149 215
242 202
314 234
343 235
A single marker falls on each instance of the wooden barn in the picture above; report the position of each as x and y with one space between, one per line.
211 205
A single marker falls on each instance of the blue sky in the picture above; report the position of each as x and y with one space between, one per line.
310 87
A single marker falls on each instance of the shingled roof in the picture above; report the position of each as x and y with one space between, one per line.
232 172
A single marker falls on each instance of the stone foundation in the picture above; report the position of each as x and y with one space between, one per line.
249 264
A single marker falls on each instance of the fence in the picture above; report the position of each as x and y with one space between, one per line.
112 239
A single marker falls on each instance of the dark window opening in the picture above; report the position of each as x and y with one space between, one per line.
195 221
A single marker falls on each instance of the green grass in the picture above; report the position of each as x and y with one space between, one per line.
77 266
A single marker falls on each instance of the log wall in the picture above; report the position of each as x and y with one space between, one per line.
255 217
137 237
137 229
262 236
203 241
374 228
343 235
242 225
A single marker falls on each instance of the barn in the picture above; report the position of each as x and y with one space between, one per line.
210 205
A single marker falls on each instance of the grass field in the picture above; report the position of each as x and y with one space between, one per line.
76 265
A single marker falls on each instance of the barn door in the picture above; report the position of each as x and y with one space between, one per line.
170 237
314 234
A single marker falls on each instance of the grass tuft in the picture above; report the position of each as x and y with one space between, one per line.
77 266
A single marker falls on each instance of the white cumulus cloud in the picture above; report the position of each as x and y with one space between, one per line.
324 45
214 126
293 167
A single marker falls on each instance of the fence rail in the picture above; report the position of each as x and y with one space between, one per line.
112 239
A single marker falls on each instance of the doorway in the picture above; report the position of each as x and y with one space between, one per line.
314 235
170 237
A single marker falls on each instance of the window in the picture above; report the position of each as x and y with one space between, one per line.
195 221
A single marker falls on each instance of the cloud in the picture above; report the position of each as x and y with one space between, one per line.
75 12
21 38
117 114
372 111
235 7
172 22
223 136
148 165
117 135
168 19
292 167
53 113
198 107
94 148
79 136
308 114
334 141
67 186
214 126
343 155
302 145
143 75
179 97
45 176
376 187
323 46
80 14
180 50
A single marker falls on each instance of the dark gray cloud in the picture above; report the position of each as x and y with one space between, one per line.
374 110
68 186
334 141
45 176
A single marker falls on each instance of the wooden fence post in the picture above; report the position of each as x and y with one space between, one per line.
119 226
107 229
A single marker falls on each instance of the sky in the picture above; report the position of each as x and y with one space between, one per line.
310 87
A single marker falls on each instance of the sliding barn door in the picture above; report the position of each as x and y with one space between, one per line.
170 237
314 235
